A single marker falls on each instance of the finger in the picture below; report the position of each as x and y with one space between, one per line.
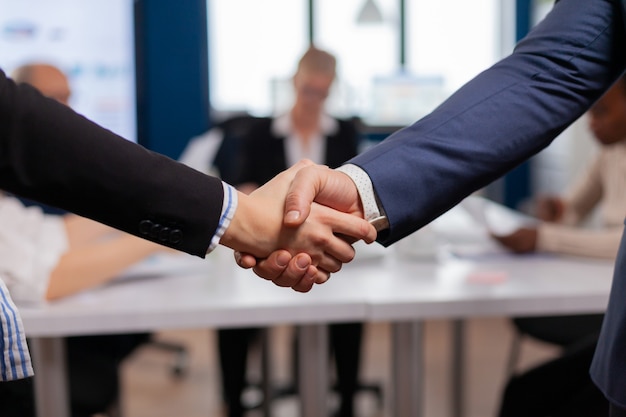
302 191
336 246
292 273
273 266
351 226
308 280
330 263
322 276
244 260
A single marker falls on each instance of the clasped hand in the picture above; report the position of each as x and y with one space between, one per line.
286 237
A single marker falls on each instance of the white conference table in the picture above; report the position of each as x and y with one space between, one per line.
380 285
187 292
406 293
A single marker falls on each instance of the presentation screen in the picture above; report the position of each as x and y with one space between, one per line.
91 41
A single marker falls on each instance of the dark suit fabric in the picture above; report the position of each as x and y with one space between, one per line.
500 118
264 153
557 388
51 154
262 157
608 369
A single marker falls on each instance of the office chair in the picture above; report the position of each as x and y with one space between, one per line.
562 331
180 361
270 392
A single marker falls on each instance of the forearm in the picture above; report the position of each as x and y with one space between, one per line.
95 264
579 242
585 194
82 231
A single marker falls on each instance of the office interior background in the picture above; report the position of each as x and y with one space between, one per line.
160 75
162 72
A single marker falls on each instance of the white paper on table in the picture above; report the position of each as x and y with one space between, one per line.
496 218
162 264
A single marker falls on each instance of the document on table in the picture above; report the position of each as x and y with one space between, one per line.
488 218
496 218
163 265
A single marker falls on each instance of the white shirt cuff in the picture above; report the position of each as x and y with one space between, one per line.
229 206
366 190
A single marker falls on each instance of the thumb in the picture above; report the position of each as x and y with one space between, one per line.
301 194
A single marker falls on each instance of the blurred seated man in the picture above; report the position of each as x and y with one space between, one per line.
568 390
47 78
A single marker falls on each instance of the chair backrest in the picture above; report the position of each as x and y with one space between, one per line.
228 157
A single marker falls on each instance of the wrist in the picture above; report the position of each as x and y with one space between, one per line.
369 205
244 233
232 234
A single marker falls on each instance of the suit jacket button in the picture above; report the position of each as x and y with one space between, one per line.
145 226
164 234
154 231
176 236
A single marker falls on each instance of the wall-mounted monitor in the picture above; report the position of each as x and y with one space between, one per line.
91 41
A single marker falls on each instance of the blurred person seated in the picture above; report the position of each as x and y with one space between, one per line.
555 389
248 151
46 257
218 151
50 80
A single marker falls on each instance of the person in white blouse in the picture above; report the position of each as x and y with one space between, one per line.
601 186
45 257
248 152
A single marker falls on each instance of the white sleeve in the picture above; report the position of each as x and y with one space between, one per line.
31 244
579 241
365 188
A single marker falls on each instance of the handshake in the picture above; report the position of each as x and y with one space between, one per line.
299 227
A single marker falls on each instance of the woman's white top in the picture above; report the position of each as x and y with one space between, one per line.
31 244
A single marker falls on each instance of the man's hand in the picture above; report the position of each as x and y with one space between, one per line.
523 240
321 236
324 186
550 208
284 270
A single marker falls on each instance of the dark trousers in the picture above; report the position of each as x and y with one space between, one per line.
564 331
560 387
345 347
92 363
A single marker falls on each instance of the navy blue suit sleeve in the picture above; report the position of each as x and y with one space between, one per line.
500 118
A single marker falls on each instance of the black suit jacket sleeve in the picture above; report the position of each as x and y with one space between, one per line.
51 154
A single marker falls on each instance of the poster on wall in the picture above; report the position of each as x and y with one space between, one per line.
91 41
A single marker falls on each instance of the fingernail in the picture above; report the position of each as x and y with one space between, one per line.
282 259
292 216
302 262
